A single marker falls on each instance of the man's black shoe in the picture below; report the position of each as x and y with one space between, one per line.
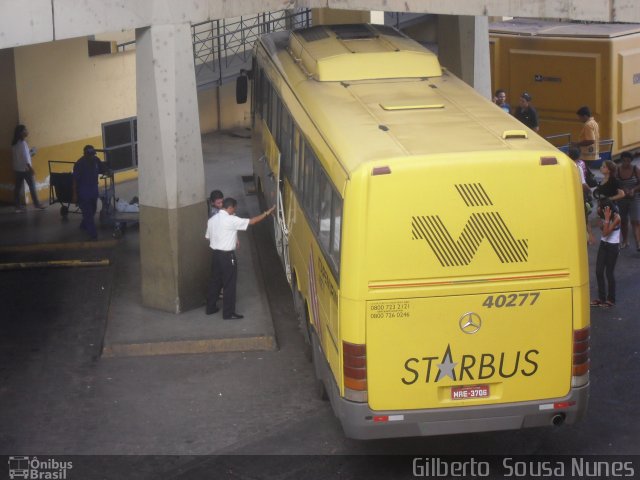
211 311
233 316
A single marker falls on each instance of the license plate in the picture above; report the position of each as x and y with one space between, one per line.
465 393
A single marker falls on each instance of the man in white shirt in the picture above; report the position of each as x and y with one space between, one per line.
222 233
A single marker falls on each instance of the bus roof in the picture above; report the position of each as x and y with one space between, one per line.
358 52
376 118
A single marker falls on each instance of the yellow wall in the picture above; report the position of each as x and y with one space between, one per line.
228 115
64 96
207 108
598 72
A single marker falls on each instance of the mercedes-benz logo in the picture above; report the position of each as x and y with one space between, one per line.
470 323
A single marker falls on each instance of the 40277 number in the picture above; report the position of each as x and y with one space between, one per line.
511 300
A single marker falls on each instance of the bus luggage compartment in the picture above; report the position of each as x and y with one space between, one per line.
469 350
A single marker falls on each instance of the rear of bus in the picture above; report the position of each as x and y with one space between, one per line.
464 304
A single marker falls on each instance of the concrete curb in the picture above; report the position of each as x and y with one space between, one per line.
212 345
54 264
42 247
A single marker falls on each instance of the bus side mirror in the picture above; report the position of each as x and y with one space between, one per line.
242 87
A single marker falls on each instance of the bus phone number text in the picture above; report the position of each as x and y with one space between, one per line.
397 309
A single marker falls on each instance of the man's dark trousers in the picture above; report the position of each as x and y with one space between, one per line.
224 273
88 207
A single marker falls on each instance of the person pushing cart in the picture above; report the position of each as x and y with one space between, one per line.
85 187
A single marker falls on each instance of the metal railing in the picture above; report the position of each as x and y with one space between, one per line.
126 46
222 47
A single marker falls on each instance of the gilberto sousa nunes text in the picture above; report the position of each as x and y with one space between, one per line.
523 467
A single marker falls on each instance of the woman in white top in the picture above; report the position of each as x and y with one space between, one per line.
607 253
22 168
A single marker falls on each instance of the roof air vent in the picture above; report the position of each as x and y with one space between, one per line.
352 32
313 33
511 134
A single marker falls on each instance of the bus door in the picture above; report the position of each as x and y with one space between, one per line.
282 232
272 187
268 168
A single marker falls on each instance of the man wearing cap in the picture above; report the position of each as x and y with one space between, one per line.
85 187
526 113
222 233
589 139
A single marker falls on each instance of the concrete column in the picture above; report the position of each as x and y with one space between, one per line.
173 210
463 48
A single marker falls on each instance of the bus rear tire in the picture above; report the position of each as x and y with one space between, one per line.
262 203
300 307
321 390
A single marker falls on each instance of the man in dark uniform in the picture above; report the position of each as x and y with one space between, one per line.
526 113
85 187
222 233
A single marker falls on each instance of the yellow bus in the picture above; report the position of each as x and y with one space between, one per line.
435 246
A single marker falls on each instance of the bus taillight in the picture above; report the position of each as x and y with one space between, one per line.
354 368
581 357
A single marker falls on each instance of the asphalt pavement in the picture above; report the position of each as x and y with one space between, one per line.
200 414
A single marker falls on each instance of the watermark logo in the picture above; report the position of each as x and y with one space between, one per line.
38 469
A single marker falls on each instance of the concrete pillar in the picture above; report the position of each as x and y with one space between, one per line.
173 210
8 121
463 48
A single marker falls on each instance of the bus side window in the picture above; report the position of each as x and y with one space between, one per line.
301 162
295 157
319 181
325 213
336 227
266 90
274 113
255 90
285 140
309 164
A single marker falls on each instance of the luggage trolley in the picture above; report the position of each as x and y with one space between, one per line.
562 141
61 186
61 191
109 214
